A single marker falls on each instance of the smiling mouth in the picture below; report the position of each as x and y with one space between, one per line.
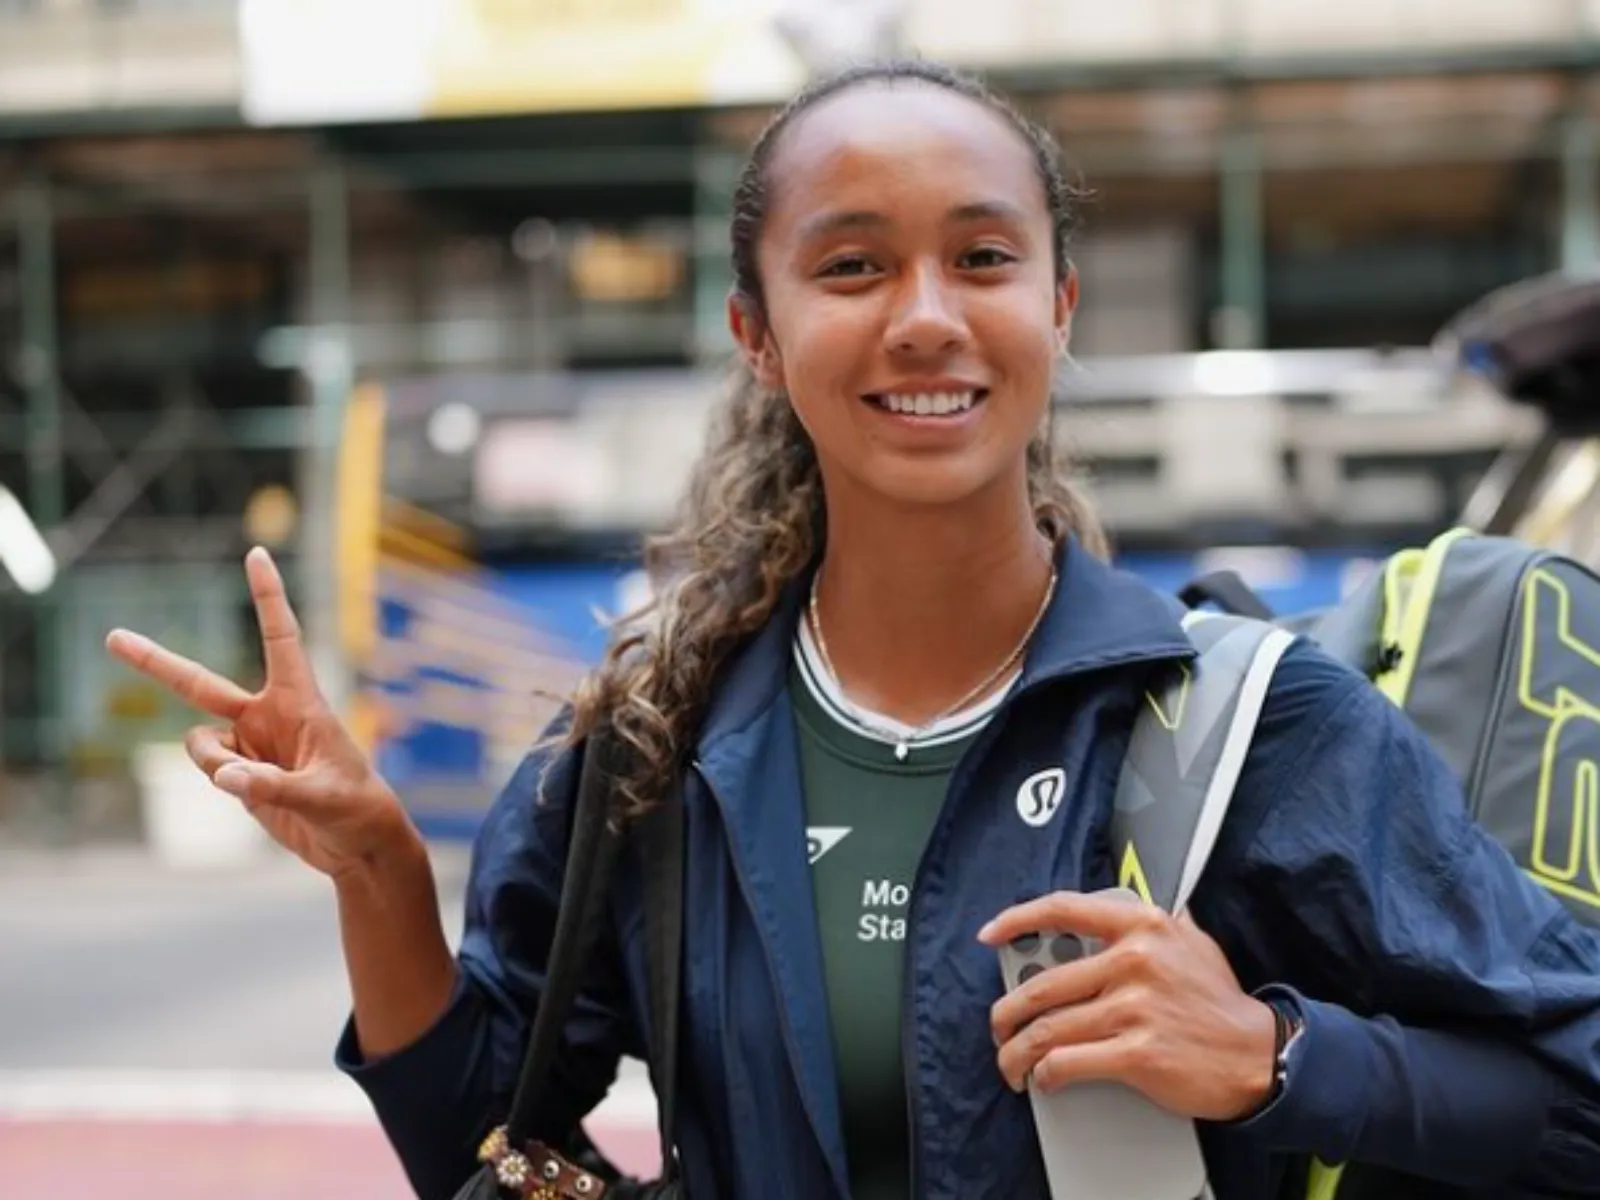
927 404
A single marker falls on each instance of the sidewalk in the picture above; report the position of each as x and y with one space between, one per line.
252 1135
175 1161
206 1161
169 1035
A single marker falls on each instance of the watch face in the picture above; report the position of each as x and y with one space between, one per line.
1296 1028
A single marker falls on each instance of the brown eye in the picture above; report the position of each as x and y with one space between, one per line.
851 267
985 258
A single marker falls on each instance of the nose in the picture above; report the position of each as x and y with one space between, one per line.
927 318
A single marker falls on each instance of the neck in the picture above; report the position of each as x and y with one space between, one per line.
918 606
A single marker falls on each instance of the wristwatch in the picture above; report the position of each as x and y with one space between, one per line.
1289 1026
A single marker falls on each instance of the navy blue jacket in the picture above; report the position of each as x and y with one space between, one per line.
1452 1008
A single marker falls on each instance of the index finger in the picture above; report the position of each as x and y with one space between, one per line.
280 628
1064 985
1108 916
202 688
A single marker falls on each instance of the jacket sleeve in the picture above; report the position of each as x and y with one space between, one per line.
437 1098
1451 1007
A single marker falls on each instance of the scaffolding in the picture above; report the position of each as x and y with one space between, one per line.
186 305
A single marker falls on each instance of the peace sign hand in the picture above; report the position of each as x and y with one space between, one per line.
284 752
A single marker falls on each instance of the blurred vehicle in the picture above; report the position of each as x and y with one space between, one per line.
1538 343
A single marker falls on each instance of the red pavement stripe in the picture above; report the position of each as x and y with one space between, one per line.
252 1160
156 1160
198 1135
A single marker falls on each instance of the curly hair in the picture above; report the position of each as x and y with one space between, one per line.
753 516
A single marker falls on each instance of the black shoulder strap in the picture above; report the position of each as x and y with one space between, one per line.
1228 592
660 834
591 857
590 866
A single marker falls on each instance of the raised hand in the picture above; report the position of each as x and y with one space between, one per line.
283 751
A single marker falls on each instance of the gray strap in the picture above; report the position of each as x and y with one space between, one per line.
1184 758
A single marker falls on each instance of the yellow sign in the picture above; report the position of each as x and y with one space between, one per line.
425 58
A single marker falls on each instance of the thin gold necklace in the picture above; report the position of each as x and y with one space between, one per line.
902 740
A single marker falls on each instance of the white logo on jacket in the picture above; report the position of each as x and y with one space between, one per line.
1040 795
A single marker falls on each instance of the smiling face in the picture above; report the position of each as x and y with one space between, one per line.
911 305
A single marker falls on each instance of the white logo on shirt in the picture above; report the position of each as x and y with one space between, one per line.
1040 795
822 838
883 911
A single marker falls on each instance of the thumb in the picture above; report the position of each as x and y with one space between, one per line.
252 782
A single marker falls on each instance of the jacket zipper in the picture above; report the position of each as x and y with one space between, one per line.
789 1045
908 1048
908 1052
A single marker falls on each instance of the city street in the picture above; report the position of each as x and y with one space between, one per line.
169 1035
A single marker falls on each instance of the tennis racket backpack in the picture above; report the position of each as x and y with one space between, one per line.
1492 648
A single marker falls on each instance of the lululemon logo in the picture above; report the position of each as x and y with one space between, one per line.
1040 796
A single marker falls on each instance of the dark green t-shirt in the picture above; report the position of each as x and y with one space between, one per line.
868 818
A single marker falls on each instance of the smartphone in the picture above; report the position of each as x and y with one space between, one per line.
1104 1140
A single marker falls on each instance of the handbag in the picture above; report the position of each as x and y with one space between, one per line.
512 1161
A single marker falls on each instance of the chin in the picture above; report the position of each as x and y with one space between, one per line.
930 481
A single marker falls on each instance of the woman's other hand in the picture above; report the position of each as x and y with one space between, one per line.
283 752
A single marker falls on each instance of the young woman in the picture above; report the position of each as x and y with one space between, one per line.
883 611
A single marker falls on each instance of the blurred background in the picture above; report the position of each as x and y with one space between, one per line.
427 297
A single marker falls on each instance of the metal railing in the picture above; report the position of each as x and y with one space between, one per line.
19 9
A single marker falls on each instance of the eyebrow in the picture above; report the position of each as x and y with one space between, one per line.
838 222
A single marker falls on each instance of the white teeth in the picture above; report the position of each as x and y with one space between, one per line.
927 404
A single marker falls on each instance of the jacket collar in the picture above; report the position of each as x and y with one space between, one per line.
1102 617
1099 617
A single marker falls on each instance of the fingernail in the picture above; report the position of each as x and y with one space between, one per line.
983 934
234 780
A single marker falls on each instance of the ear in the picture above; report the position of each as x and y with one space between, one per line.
759 351
1066 305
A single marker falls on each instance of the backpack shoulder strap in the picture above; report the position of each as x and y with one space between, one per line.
1188 747
660 836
